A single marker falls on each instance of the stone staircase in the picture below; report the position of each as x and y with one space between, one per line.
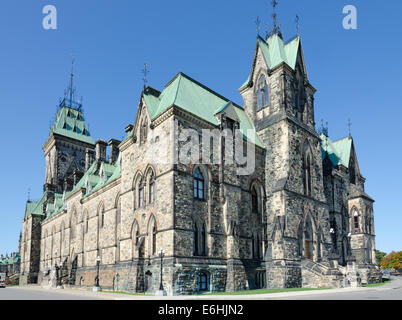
13 280
318 275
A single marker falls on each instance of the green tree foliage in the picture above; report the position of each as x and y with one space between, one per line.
392 261
379 255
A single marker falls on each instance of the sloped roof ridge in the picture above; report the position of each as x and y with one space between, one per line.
209 89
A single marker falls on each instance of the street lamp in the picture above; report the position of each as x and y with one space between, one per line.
96 286
161 291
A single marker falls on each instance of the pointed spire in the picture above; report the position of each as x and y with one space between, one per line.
145 72
71 79
277 29
70 92
258 24
350 127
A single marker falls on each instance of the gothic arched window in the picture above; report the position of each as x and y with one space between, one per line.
352 171
262 93
308 240
86 222
356 221
195 239
254 200
73 224
101 214
135 236
307 185
154 240
203 240
144 131
198 185
141 196
152 231
152 188
299 93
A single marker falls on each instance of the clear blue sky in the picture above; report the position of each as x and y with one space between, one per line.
357 74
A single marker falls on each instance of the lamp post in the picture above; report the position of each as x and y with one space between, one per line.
96 286
161 291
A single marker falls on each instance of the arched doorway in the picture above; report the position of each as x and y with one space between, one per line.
73 271
308 241
148 281
64 271
345 251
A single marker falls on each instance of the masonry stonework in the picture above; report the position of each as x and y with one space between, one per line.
298 219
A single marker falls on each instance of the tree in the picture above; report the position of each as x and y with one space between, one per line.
392 261
379 256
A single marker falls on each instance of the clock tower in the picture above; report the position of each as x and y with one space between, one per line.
66 147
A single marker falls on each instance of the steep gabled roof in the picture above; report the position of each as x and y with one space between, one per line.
339 151
276 51
344 148
197 99
37 207
71 123
92 177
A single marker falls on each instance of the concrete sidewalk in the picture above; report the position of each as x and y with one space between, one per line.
81 293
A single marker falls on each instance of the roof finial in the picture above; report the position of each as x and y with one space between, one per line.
297 24
258 23
145 72
324 130
274 16
29 194
350 126
71 79
267 31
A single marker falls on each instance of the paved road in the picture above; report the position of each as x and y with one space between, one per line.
37 293
390 291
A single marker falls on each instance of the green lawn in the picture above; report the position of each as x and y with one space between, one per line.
376 284
262 291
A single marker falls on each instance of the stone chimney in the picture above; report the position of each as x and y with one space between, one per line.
114 150
89 158
101 150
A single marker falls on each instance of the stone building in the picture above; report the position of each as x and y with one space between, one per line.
301 217
10 264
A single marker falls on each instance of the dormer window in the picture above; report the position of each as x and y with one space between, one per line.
262 93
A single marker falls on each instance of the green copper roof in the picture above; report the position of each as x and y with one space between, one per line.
344 148
91 177
38 208
338 151
276 51
30 207
71 123
10 260
193 97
